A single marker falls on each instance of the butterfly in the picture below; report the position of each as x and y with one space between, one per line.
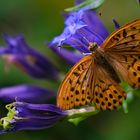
95 78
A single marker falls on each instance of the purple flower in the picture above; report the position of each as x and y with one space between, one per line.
81 28
29 60
72 23
26 93
25 116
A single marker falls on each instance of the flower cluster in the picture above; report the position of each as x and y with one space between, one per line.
27 111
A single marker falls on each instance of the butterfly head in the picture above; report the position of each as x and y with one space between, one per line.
92 47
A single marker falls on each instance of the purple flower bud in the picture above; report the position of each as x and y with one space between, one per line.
29 60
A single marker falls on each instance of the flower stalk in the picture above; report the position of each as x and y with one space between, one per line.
75 116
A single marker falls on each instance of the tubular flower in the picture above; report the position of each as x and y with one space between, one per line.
25 116
29 60
81 28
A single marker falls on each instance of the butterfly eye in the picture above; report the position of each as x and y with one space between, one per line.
92 46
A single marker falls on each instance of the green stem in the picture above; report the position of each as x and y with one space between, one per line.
77 115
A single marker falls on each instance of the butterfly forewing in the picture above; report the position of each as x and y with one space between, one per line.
126 36
122 50
74 90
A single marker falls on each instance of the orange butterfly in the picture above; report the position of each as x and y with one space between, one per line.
95 78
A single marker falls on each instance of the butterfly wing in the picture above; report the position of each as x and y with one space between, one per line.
122 51
87 83
107 92
73 91
127 36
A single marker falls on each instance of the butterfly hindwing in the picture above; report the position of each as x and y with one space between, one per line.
128 67
108 94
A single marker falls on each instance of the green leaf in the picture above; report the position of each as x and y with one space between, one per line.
87 4
76 121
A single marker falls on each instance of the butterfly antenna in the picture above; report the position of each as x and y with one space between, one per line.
87 41
59 48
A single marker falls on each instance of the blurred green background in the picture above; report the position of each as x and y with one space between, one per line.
41 20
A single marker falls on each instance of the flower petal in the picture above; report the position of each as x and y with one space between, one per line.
73 23
26 93
95 25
